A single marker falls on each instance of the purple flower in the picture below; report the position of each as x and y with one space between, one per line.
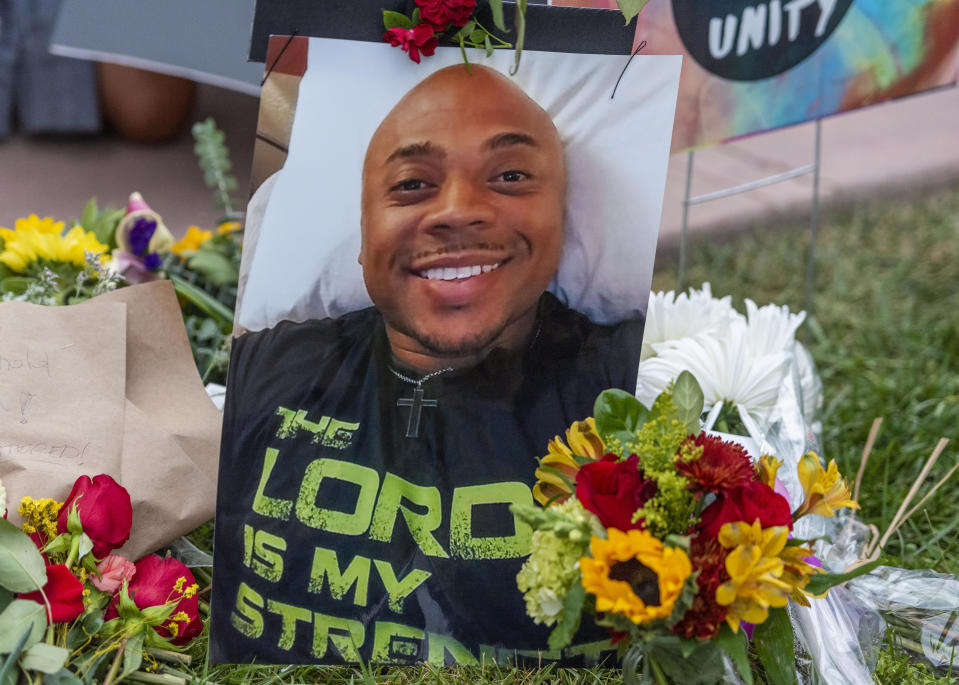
140 234
152 261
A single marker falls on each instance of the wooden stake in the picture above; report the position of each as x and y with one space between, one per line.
955 467
873 432
898 519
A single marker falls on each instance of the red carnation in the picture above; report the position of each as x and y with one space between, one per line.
106 512
419 39
705 617
64 591
158 581
753 501
722 466
440 13
614 490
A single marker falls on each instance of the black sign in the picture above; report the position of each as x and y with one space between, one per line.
554 29
746 40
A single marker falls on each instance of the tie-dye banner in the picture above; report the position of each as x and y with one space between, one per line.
756 65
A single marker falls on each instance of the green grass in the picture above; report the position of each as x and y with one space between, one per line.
885 336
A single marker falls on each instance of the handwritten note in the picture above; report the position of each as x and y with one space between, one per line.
62 381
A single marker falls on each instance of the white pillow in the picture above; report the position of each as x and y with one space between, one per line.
304 254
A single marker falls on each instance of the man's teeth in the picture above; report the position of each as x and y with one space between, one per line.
453 273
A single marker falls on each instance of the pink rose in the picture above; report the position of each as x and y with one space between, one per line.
113 571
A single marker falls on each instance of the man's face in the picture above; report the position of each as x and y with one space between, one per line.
463 191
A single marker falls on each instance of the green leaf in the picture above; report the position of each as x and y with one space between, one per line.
6 596
16 284
61 677
821 582
415 19
215 267
21 616
630 8
478 36
132 656
45 658
60 543
205 302
735 645
618 414
520 21
773 639
465 31
689 400
74 524
396 20
496 7
8 670
568 623
21 564
88 217
488 45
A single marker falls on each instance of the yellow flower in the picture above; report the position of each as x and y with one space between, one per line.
34 240
767 468
796 572
633 575
191 241
228 227
39 515
584 441
826 490
755 572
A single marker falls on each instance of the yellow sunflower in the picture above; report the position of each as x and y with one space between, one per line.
33 240
584 441
633 575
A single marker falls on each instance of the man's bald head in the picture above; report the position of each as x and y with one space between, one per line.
463 193
455 89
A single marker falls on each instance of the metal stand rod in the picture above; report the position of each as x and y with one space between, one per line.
813 222
682 235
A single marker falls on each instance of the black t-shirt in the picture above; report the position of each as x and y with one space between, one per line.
339 538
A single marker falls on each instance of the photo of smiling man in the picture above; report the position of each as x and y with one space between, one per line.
369 459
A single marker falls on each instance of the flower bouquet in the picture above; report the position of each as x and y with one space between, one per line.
675 540
72 610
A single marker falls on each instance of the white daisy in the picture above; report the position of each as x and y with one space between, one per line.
669 317
725 365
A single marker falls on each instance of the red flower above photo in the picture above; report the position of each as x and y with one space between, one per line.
442 13
416 41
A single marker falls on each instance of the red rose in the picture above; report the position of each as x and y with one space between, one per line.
158 581
614 490
64 591
419 39
105 512
439 13
752 501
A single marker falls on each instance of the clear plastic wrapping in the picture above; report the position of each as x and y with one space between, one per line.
921 606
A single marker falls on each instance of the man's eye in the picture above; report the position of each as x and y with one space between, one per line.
410 185
512 176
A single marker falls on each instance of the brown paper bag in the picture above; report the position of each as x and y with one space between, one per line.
109 386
